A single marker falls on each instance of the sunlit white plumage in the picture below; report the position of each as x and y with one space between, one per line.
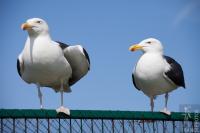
47 63
154 73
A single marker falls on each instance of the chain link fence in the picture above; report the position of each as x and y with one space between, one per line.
83 121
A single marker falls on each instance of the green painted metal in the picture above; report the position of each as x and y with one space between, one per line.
97 114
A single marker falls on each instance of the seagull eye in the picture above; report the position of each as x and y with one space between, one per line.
149 42
39 22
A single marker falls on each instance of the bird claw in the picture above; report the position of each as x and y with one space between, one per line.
165 111
64 110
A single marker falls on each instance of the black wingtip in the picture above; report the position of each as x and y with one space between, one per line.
184 86
18 68
133 80
87 56
176 72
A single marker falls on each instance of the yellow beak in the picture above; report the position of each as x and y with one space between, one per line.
26 26
135 47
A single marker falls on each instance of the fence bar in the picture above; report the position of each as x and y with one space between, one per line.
81 127
113 126
25 126
154 129
183 127
133 126
48 120
70 125
1 125
37 125
123 126
174 126
92 129
59 126
143 130
14 125
163 126
102 126
194 128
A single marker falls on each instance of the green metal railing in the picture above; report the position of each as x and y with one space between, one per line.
96 121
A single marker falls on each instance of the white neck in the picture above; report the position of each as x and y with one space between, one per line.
37 42
42 37
153 52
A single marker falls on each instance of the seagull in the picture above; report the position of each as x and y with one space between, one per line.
155 73
47 63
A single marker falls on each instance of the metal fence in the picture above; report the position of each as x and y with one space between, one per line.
91 121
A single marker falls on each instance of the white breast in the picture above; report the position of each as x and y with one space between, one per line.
148 74
44 63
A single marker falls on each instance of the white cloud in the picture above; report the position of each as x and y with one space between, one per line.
186 12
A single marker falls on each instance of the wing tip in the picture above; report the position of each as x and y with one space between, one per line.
183 85
133 80
87 57
18 68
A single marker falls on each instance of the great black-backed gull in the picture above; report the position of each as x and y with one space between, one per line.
155 73
47 63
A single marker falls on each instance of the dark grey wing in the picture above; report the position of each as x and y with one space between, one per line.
62 45
78 59
133 79
175 74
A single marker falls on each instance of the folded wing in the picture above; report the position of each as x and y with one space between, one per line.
175 73
79 60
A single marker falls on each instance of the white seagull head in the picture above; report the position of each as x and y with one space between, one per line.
35 26
148 45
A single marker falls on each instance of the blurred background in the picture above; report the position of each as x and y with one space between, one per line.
106 29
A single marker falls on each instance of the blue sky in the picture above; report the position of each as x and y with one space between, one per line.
106 29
